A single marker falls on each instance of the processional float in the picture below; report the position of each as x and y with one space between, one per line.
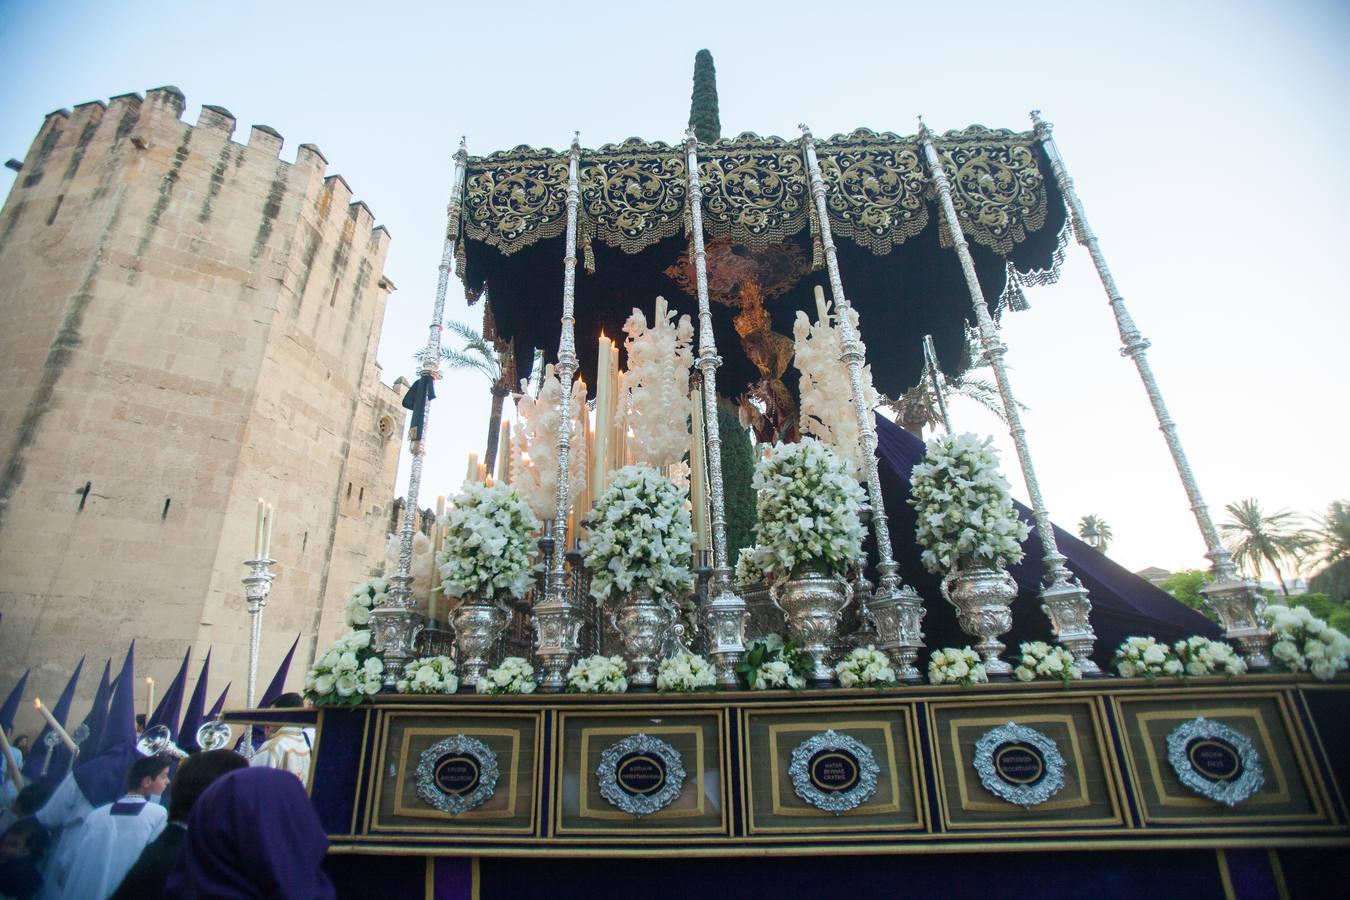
939 234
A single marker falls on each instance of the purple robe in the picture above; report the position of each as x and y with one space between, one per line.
252 833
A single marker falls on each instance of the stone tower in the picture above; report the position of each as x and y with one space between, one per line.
190 323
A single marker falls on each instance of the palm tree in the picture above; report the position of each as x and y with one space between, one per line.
1096 531
1255 537
918 406
479 354
1334 533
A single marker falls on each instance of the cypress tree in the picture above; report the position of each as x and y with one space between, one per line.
703 116
738 468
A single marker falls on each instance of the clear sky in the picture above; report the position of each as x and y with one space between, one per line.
1206 139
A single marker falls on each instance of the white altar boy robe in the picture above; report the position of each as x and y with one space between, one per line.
289 748
111 840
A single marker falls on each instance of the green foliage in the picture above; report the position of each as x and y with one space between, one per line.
1185 586
1334 581
703 117
738 470
1319 605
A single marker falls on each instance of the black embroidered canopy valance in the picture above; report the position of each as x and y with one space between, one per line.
763 242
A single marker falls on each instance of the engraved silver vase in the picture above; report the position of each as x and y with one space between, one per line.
643 622
478 624
983 598
812 606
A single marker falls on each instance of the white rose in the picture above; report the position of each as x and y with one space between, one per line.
323 684
346 685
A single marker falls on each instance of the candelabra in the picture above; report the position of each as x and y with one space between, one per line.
257 585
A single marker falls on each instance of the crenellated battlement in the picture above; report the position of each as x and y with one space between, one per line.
135 129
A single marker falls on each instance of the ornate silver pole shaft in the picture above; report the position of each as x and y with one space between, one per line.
257 585
1237 602
725 615
1063 599
557 620
895 608
395 624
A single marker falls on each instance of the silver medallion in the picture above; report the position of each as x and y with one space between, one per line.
834 772
1019 764
457 774
640 774
1215 761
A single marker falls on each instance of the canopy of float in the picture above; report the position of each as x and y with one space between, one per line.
760 225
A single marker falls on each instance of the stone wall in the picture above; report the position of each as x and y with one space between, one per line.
190 324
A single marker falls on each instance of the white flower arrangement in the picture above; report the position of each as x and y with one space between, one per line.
1146 657
363 599
952 665
965 512
346 673
429 675
598 674
826 395
640 536
808 505
1305 643
685 672
865 667
657 382
772 663
750 566
486 552
1202 656
514 676
1042 660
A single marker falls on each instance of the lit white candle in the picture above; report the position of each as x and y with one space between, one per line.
258 530
604 410
54 725
149 697
267 532
503 452
472 473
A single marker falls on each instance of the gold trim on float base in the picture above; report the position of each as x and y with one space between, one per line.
818 847
874 806
1225 878
586 774
1277 869
471 815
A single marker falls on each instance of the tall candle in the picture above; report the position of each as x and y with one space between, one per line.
267 532
503 452
149 697
603 412
660 312
821 310
472 473
55 725
480 473
258 530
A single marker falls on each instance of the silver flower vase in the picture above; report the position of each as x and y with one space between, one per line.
983 598
812 605
643 622
478 624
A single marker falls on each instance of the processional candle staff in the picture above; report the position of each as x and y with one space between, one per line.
55 726
149 697
557 621
12 765
257 585
395 623
1063 599
725 615
1237 601
895 608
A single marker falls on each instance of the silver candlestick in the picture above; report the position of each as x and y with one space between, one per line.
257 585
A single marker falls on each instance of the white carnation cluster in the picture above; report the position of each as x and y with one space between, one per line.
752 566
1202 656
487 546
827 410
865 667
965 512
685 672
808 505
346 673
1041 660
598 674
1146 657
640 535
657 382
429 675
952 665
1305 643
776 674
771 663
514 676
364 598
422 566
534 448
